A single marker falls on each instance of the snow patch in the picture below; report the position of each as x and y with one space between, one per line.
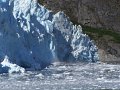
10 67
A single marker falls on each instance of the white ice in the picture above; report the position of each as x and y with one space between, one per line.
32 37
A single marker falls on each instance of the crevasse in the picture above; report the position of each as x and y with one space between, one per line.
32 37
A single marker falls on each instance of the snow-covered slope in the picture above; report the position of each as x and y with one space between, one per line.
32 37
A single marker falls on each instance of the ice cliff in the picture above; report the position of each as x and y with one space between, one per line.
32 37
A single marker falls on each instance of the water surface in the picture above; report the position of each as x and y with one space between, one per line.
64 76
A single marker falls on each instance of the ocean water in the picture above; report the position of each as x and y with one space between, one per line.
65 76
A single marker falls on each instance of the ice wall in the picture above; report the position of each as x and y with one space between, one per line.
32 37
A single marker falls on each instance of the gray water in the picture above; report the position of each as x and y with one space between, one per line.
64 76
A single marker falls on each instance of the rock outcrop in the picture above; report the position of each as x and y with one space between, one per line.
94 13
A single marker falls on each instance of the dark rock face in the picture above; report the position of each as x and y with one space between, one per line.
108 51
95 13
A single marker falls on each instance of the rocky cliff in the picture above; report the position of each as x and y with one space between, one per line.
95 13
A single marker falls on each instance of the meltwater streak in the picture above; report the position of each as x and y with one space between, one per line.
32 37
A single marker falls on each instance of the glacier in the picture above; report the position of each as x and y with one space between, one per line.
33 37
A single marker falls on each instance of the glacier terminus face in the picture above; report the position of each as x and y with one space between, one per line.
32 37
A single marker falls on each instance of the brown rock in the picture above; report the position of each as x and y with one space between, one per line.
95 13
